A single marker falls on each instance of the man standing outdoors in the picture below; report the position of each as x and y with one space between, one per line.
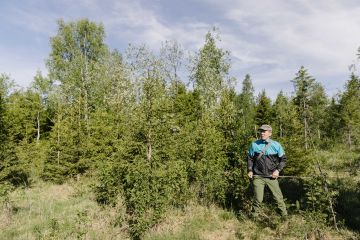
266 158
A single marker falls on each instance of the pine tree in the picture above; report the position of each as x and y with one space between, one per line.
302 82
109 123
285 123
246 106
333 122
319 103
24 123
148 168
311 102
287 129
234 139
263 109
12 170
350 111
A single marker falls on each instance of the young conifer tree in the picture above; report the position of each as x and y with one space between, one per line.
311 102
287 130
149 171
246 106
12 170
263 109
350 111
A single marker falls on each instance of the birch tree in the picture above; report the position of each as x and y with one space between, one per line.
77 53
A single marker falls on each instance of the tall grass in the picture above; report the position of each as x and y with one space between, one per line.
213 223
67 211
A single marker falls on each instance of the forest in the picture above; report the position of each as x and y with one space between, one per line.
149 132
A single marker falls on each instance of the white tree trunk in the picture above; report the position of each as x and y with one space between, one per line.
38 127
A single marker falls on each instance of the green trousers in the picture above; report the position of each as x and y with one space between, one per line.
273 184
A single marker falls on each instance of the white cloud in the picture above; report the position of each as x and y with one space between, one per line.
321 35
141 24
326 32
268 39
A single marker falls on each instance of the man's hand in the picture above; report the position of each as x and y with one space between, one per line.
275 174
250 174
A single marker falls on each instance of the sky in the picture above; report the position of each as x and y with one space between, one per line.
269 39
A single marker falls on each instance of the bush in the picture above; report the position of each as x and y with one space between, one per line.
348 204
11 169
108 186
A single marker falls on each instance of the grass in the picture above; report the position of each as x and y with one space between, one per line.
195 222
338 163
69 211
214 223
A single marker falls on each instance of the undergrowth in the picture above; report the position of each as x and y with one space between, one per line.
70 211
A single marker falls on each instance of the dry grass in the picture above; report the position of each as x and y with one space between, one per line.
195 221
67 211
213 223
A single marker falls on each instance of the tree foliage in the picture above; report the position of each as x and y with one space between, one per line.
132 121
12 170
350 111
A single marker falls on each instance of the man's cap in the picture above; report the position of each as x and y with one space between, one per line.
265 128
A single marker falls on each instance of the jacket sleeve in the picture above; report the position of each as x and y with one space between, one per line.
250 158
282 161
250 163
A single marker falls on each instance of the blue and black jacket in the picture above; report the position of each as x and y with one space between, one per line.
273 159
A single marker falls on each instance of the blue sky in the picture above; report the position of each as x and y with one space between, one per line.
269 39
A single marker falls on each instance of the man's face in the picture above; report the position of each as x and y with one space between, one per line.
265 134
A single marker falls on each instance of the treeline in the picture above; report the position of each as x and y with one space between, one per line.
129 120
